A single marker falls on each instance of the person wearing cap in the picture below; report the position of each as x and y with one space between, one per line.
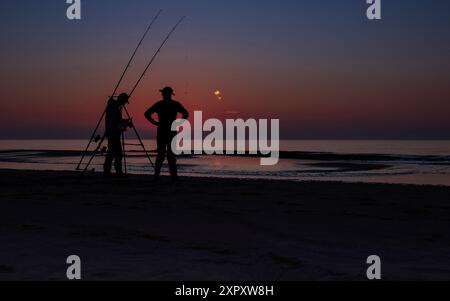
167 111
114 129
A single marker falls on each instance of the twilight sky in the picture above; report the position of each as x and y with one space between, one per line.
319 66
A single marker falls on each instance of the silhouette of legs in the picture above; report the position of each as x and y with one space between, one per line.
172 163
164 141
159 161
115 154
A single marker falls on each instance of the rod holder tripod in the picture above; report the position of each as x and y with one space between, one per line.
119 108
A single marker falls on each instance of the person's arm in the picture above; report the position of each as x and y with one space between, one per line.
182 110
149 115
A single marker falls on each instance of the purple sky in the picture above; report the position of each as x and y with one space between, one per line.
320 67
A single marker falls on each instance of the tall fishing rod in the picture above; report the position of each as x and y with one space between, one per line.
129 96
135 51
156 55
118 84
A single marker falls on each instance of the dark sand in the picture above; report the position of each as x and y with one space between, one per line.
211 229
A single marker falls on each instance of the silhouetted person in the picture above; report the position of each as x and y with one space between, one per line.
167 111
114 129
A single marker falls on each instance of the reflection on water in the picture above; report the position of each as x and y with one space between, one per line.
415 162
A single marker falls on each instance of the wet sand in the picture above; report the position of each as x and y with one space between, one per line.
217 229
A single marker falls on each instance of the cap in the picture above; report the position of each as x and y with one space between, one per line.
123 97
167 90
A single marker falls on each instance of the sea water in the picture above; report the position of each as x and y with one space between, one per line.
405 162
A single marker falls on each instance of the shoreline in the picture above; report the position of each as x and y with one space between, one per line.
329 180
166 178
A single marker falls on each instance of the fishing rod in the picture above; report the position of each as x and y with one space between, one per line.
118 84
135 51
155 55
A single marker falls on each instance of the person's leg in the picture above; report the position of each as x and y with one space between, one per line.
161 148
108 159
118 155
172 158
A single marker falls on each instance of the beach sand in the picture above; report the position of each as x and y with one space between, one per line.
219 229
